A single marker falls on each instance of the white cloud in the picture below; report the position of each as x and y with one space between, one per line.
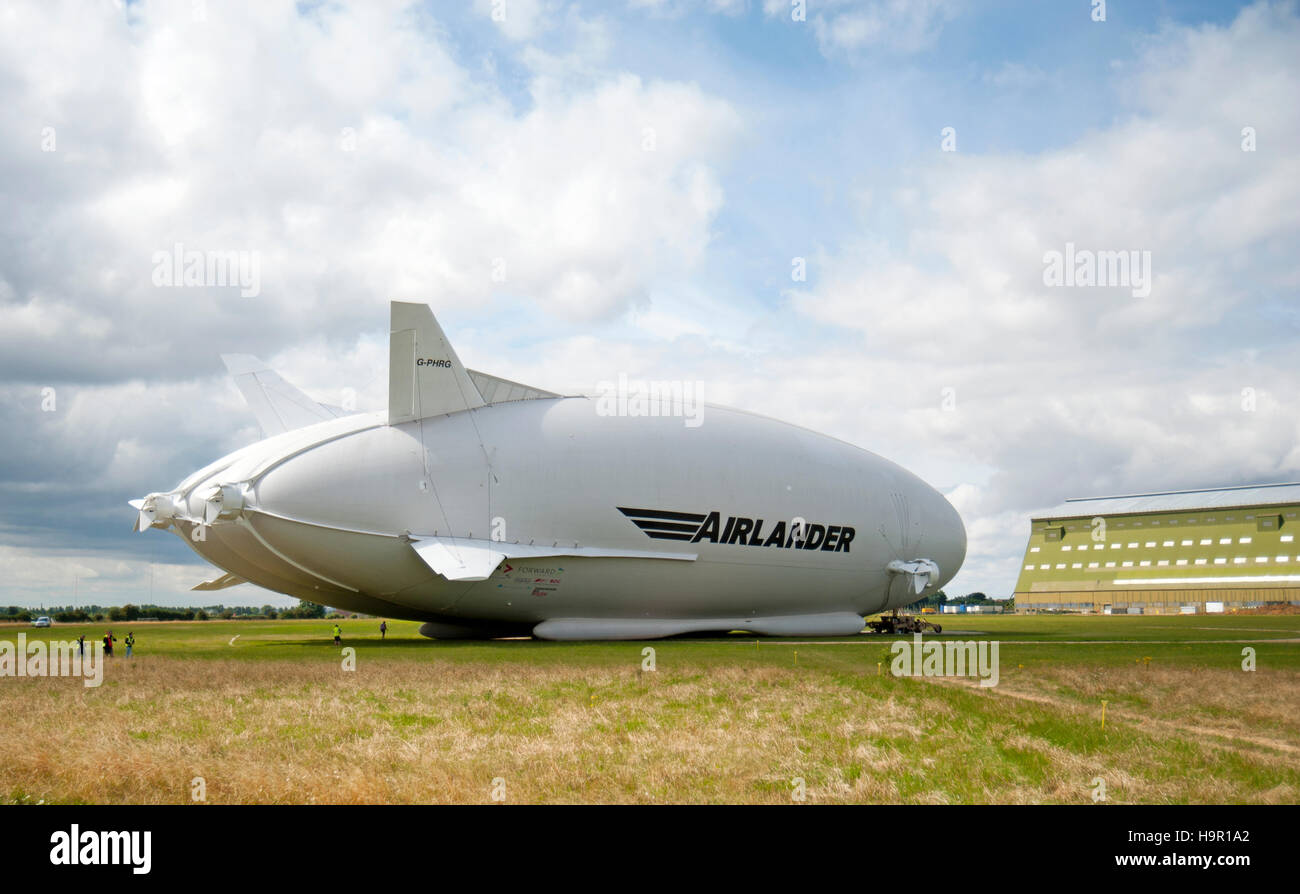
845 27
518 20
369 166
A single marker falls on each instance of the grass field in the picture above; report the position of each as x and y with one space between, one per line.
265 712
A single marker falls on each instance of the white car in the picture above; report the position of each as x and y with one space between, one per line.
42 621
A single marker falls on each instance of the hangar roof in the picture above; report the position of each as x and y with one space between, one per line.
1177 501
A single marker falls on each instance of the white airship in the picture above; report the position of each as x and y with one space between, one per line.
488 508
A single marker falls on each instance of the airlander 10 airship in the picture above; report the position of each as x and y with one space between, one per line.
487 508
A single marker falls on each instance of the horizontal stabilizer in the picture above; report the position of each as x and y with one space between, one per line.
457 558
495 390
278 406
460 560
220 583
425 377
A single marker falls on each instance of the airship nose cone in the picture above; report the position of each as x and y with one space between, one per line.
949 545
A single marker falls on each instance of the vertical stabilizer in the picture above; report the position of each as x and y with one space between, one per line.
425 377
278 406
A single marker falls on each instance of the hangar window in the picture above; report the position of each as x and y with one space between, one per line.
1092 564
1150 543
1228 517
1116 545
1287 538
1053 534
1290 515
1077 565
1220 561
1163 562
1283 558
1268 522
1065 549
1044 567
1206 542
1200 561
1132 546
1261 558
1243 540
1082 547
1128 564
1239 560
1210 519
1110 564
1174 522
1181 562
1145 563
1169 543
1033 549
1186 543
1224 541
1029 567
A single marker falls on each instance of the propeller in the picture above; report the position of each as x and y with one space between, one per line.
920 573
222 501
155 511
144 517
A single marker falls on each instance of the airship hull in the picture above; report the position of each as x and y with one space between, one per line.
555 516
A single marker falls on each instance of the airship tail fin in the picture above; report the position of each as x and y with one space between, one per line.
495 390
220 583
425 377
278 406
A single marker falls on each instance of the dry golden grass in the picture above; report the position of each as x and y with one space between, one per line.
413 732
1240 710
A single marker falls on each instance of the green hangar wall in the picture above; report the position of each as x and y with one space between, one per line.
1165 552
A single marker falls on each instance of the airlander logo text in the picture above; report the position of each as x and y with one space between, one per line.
693 527
89 848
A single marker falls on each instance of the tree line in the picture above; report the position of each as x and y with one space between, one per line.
67 614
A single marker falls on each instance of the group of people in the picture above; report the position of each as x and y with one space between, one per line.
108 641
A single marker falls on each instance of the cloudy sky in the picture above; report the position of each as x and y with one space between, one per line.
586 189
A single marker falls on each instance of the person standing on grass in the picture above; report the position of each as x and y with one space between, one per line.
81 645
130 641
337 634
109 639
383 629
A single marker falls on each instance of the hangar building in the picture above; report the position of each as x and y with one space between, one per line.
1165 553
